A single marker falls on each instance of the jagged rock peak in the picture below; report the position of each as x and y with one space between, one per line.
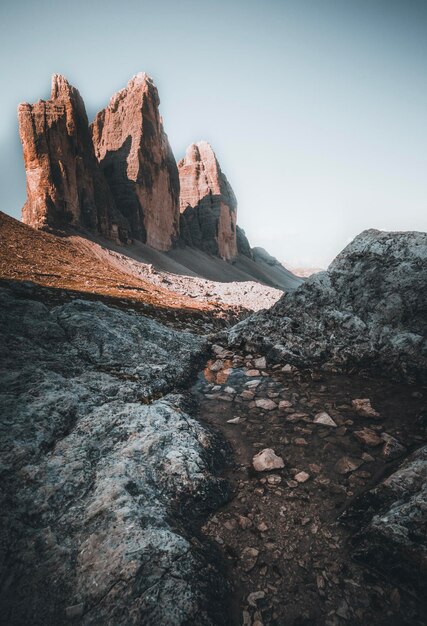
134 153
140 82
64 183
62 88
210 176
207 203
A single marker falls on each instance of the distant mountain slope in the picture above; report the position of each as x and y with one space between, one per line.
303 272
137 273
189 261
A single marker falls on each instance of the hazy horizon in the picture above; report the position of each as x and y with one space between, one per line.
316 111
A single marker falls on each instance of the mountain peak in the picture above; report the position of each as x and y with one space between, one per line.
60 87
134 153
207 203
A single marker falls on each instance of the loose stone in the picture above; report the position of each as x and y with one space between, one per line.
266 460
248 558
368 437
324 419
266 404
302 477
345 465
363 407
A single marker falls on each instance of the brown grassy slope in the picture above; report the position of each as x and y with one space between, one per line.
69 263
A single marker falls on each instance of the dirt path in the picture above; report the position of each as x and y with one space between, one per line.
289 556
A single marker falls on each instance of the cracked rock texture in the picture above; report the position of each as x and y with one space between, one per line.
367 312
100 480
394 514
208 204
65 185
134 152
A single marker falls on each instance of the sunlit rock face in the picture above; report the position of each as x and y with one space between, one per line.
64 183
136 158
207 203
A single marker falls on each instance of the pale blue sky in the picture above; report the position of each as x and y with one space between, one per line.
317 109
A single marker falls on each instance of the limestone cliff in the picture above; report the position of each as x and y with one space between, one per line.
134 153
207 203
64 183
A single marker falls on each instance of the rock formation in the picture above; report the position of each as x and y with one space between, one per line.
207 203
64 183
243 245
102 469
119 178
393 516
134 153
368 311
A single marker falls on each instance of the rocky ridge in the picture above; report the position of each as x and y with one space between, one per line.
119 178
368 311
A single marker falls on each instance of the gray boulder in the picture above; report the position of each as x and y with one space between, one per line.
393 523
368 311
103 471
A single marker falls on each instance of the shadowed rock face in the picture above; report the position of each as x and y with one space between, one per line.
207 203
102 469
368 311
64 182
394 517
134 153
243 245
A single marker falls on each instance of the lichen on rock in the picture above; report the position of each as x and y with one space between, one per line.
367 312
101 481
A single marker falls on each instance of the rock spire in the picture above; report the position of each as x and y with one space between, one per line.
207 203
136 158
64 183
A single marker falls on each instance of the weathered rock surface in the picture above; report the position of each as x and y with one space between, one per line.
267 460
64 183
99 479
368 311
134 153
208 205
324 419
394 514
242 242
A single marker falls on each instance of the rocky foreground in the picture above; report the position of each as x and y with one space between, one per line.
314 534
285 484
103 470
367 312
